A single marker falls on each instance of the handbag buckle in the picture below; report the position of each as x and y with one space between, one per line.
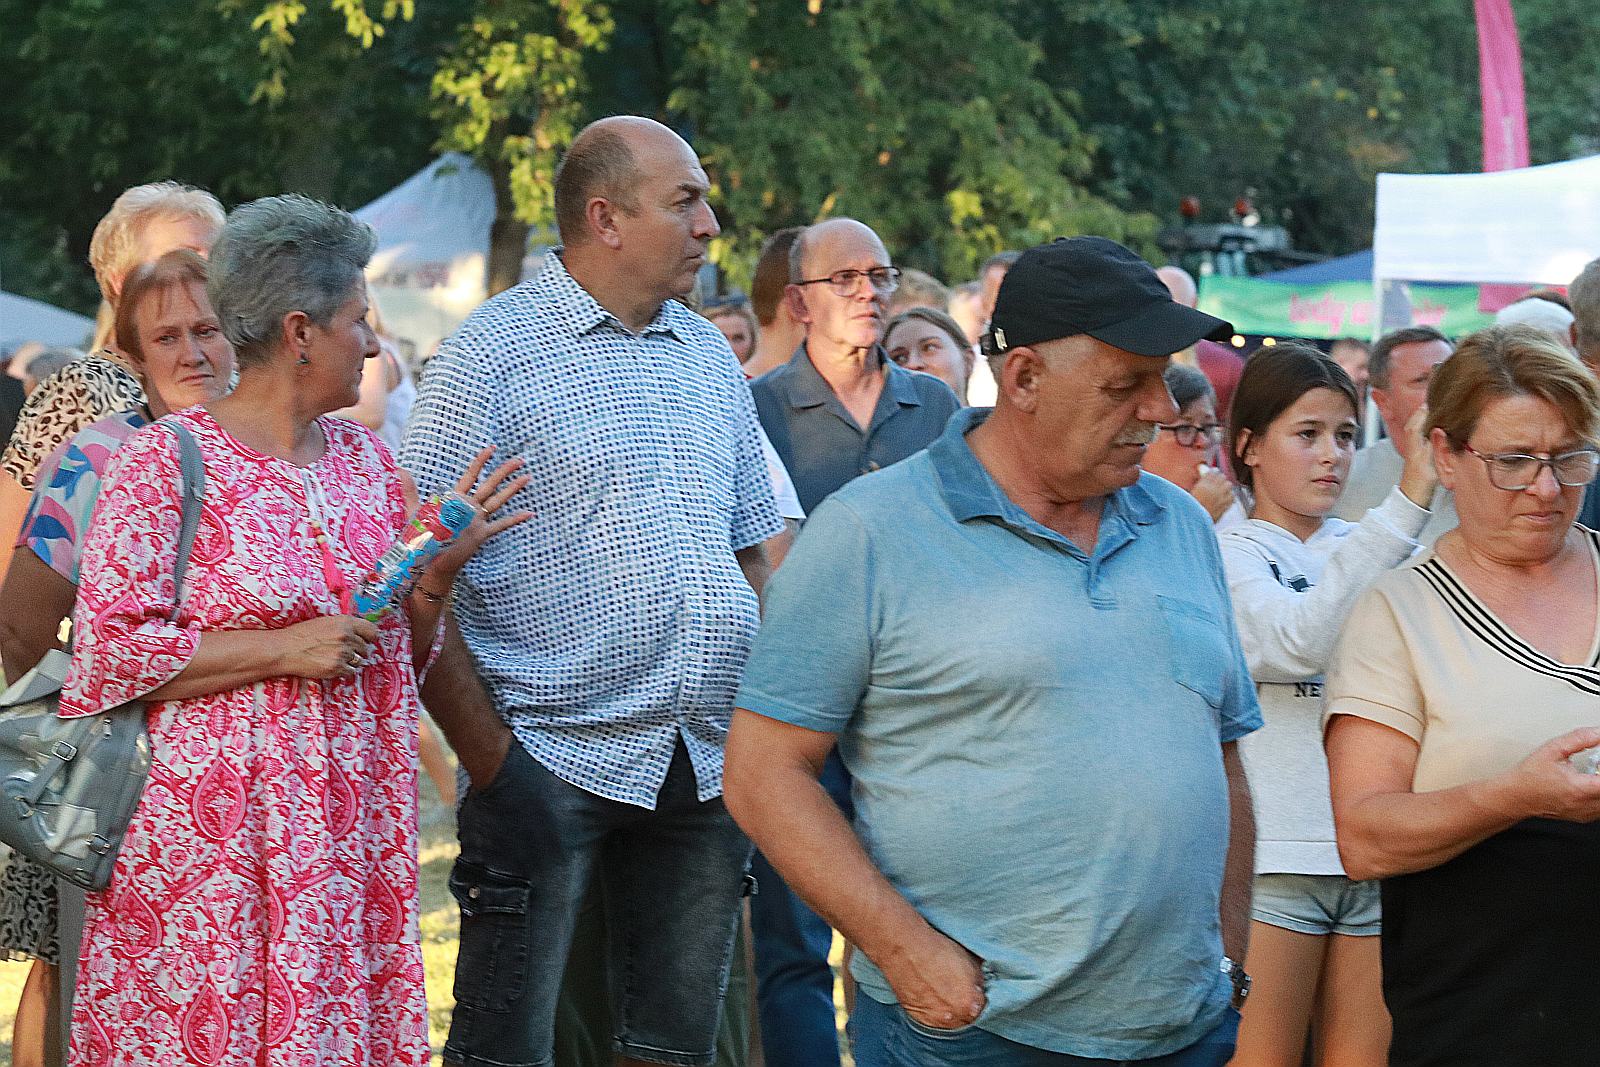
63 750
99 844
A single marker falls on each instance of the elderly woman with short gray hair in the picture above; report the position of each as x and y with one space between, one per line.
263 905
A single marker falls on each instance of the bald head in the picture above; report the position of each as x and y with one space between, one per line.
1584 296
1180 283
606 160
830 240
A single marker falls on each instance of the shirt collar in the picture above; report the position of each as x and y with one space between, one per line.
576 308
969 491
808 389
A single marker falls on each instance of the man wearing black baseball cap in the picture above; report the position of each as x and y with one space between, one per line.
1096 287
1025 650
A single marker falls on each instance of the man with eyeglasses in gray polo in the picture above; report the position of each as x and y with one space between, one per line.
840 408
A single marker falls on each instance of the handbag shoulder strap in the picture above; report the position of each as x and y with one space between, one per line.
193 471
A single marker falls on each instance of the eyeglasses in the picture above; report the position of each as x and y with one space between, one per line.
884 280
1187 433
1516 471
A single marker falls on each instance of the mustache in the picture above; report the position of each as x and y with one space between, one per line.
1141 434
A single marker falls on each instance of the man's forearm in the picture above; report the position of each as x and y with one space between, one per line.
756 566
460 704
1238 873
805 837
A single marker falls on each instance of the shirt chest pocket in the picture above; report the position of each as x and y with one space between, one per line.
1197 647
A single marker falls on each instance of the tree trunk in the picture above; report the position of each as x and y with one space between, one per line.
508 235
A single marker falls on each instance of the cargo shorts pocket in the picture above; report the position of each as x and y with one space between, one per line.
492 966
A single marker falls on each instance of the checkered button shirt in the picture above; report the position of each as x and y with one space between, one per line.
616 619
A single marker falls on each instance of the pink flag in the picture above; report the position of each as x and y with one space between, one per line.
1505 115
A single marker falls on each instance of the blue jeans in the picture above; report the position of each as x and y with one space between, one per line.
884 1036
794 984
670 885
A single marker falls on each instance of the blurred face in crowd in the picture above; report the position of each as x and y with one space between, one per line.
1092 411
1410 369
183 357
736 328
1512 526
966 307
1300 462
1179 463
918 344
1353 357
670 225
991 289
834 320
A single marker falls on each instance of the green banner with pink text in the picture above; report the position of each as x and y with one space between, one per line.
1333 309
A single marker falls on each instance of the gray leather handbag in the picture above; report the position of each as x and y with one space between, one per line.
68 787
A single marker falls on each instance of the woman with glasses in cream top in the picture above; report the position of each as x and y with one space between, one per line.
1459 689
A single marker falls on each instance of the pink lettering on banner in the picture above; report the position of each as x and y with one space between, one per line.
1361 313
1430 313
1327 311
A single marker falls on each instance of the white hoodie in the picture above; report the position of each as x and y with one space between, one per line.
1291 598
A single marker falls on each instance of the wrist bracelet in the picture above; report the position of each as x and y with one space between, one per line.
432 598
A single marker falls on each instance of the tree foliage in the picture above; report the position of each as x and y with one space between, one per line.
924 118
955 127
104 95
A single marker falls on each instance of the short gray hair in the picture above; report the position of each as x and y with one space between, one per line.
598 163
1584 296
282 254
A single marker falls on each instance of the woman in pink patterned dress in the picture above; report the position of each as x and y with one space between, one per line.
263 906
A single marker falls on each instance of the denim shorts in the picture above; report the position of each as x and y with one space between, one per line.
1317 904
670 882
883 1035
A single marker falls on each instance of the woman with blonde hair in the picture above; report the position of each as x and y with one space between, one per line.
1459 692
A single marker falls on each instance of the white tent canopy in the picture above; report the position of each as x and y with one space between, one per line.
1533 226
22 319
431 266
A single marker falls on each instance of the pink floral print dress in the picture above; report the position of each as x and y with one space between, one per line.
263 908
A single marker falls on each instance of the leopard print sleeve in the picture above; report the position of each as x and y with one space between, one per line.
84 391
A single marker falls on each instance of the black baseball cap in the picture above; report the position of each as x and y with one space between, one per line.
1094 286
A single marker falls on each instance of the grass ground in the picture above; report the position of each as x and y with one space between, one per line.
437 851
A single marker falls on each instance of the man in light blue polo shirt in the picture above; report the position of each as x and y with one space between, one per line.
1027 655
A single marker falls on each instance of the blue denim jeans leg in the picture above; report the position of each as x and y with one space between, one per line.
794 984
670 883
881 1035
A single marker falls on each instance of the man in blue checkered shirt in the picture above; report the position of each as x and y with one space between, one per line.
609 632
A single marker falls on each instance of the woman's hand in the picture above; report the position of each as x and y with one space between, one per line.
334 646
1214 491
1418 480
498 488
1546 785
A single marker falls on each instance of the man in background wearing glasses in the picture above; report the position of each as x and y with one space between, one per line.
838 409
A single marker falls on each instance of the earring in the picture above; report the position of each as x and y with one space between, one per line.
303 360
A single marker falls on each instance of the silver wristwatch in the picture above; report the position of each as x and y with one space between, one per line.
1241 981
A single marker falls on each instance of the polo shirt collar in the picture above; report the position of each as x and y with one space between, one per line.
808 389
573 305
970 493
